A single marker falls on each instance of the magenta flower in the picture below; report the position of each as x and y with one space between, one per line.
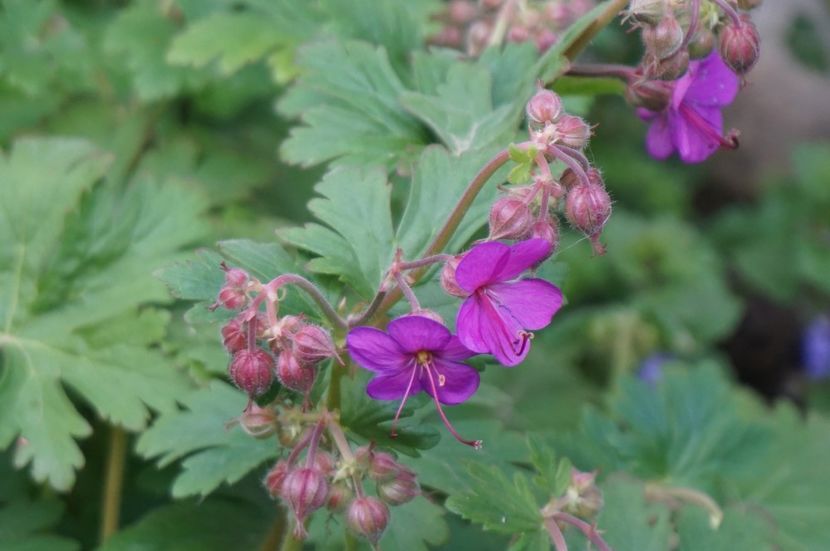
500 310
692 122
414 354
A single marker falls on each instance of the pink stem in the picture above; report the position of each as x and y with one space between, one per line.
590 532
473 443
556 535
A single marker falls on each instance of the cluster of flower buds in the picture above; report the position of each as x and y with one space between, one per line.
530 211
677 31
339 482
298 346
473 25
578 508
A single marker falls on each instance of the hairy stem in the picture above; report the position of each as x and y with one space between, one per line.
367 314
113 483
659 492
603 70
729 11
311 290
590 532
604 18
333 393
556 535
694 21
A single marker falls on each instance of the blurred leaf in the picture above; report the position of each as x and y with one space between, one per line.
585 86
212 452
75 269
403 533
628 523
23 525
738 532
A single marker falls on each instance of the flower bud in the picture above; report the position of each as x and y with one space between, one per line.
399 490
258 422
557 13
282 333
584 498
664 39
384 467
545 106
749 4
448 282
670 68
313 344
234 336
324 462
654 95
702 44
739 45
231 298
294 375
368 516
477 36
306 490
252 371
461 11
648 12
546 228
510 218
449 37
339 496
275 478
588 206
573 131
236 277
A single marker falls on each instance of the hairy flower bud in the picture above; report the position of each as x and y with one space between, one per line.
258 422
399 490
384 467
665 38
654 95
275 477
306 490
234 336
294 375
545 39
312 344
670 68
588 206
368 516
324 462
231 298
739 45
557 13
339 496
252 371
510 218
448 282
236 277
518 33
573 131
546 228
648 12
545 106
584 498
702 44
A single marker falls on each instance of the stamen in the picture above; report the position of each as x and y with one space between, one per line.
477 444
524 338
442 380
730 141
393 432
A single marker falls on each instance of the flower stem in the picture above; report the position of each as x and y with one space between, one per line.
310 289
659 492
602 70
275 533
570 162
604 18
556 535
113 483
729 11
590 532
694 21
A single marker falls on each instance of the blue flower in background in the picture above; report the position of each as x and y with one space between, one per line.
651 369
815 348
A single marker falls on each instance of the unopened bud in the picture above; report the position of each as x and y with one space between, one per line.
258 422
306 490
231 297
324 462
702 44
665 38
518 33
339 496
312 344
399 490
236 277
545 39
477 37
368 516
510 218
573 131
282 333
557 13
252 371
670 68
739 45
654 95
546 228
588 207
294 375
545 106
275 477
234 336
449 37
648 12
461 11
448 281
584 498
384 467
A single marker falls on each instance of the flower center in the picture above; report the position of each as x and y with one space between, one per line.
423 357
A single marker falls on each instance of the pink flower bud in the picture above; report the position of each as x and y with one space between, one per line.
231 298
740 45
339 496
665 38
236 277
448 282
449 36
306 490
312 344
294 375
702 44
252 371
654 95
558 14
573 131
510 218
275 477
477 36
588 206
670 68
258 422
518 33
234 336
282 333
545 106
584 498
324 462
399 490
462 11
648 12
384 467
546 228
545 39
368 516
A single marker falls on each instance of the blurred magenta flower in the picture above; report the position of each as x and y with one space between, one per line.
500 310
415 354
815 345
692 122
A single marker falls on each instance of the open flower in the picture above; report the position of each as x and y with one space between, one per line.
692 122
415 354
500 310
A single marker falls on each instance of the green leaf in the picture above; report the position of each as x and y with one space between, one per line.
24 523
348 98
497 502
738 531
554 474
628 522
403 534
525 160
358 246
74 272
213 452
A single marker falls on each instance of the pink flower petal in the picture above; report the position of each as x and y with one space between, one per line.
393 387
696 133
531 302
713 84
485 329
459 381
455 351
524 255
659 142
416 333
375 350
480 265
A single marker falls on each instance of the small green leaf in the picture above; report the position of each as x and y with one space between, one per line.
23 523
628 522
